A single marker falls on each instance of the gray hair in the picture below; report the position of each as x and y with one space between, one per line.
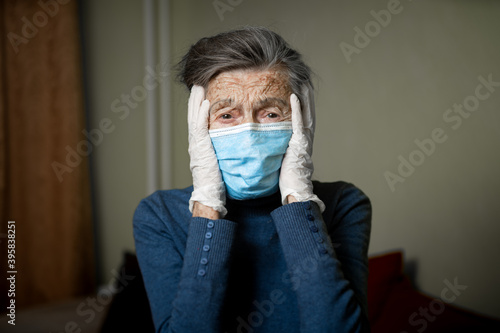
248 48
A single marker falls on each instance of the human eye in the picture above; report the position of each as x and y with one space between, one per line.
226 114
225 117
272 114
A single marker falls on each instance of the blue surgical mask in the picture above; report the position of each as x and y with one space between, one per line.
250 157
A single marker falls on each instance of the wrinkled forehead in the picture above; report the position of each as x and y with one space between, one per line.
244 84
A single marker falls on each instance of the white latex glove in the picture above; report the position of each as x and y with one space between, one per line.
297 166
208 187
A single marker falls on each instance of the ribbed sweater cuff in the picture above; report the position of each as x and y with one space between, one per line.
302 231
208 247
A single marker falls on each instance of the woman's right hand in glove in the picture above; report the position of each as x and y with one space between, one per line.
209 192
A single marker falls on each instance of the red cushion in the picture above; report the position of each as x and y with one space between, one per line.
385 271
396 307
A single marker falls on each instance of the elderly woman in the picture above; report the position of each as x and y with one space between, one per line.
254 245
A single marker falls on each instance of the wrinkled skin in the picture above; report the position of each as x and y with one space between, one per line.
248 96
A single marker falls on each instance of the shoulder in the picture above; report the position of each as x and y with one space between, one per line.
163 206
342 200
339 190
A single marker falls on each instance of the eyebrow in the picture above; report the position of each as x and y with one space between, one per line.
271 100
227 100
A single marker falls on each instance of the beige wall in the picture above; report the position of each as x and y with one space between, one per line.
114 55
444 215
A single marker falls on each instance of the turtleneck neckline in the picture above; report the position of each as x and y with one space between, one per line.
270 202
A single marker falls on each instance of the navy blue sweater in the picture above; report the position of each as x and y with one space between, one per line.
263 268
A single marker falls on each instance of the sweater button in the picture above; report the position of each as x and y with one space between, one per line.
310 217
206 248
208 235
202 272
210 224
323 251
314 228
203 261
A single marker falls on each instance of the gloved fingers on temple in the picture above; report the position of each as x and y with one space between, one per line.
195 98
203 114
308 107
297 123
